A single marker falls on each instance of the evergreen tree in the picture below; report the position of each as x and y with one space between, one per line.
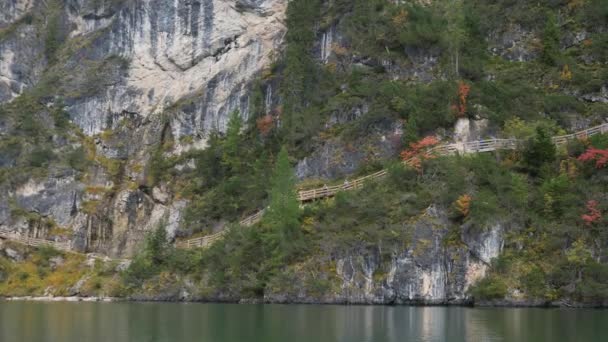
539 151
157 246
209 165
410 131
300 69
550 53
231 157
455 33
282 216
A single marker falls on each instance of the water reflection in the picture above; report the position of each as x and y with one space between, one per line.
116 322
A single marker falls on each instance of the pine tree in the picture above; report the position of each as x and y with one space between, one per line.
539 151
410 131
455 33
231 157
300 73
550 53
282 216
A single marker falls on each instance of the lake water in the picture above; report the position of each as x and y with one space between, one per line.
150 322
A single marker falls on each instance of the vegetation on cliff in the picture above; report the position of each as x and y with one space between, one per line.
407 71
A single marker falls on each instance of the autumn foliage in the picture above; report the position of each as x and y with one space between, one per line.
463 205
460 108
415 154
593 154
593 214
265 124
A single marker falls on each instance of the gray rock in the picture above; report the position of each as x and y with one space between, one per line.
334 158
426 272
14 254
77 288
54 262
514 43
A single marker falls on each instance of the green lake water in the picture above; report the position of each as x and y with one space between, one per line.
134 322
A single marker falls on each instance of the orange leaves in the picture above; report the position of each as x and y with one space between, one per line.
593 213
265 124
414 155
339 50
400 18
460 108
463 204
594 154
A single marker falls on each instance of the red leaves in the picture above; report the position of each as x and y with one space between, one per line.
593 213
594 154
414 156
460 109
265 124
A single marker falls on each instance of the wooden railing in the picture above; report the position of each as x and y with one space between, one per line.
253 219
562 139
445 150
208 240
440 150
12 236
329 191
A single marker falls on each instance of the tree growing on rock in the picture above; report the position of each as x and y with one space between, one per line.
463 205
232 158
283 214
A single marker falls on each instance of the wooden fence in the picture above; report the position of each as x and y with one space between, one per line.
208 240
470 147
440 150
12 236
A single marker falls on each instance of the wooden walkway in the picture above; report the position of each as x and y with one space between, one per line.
12 236
470 147
330 191
208 240
445 150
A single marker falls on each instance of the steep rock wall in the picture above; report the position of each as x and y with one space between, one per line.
428 270
144 70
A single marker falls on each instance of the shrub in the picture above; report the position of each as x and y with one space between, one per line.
40 157
490 288
539 151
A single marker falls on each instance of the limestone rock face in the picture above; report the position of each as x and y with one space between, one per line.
12 10
427 271
209 48
140 72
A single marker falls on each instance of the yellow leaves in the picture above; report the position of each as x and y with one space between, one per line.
574 4
308 224
566 74
463 205
568 167
400 19
578 253
549 201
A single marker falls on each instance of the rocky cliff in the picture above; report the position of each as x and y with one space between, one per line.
115 119
139 71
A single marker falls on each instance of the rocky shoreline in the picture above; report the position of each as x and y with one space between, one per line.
503 303
61 299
